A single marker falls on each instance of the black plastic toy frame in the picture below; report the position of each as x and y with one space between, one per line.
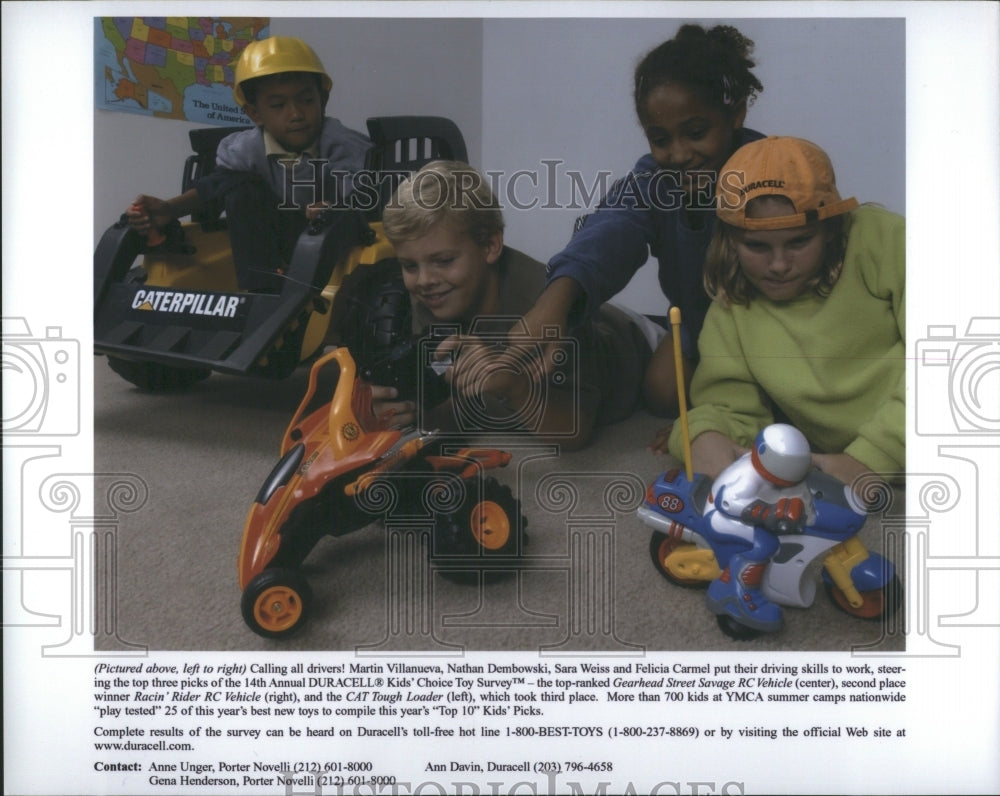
264 337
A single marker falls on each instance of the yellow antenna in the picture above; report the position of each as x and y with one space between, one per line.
675 323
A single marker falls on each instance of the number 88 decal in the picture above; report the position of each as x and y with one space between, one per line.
670 502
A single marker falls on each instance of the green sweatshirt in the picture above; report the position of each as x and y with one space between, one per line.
835 366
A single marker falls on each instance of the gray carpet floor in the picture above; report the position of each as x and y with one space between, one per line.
586 583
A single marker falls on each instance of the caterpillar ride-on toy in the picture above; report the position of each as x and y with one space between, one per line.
341 467
177 316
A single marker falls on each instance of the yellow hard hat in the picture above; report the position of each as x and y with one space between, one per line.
273 56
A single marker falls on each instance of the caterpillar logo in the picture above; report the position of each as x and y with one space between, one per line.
216 305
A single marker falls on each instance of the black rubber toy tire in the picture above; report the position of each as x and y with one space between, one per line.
153 377
486 524
290 602
736 630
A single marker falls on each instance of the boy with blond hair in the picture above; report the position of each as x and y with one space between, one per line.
447 229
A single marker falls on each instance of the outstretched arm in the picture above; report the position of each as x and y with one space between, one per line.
499 385
148 212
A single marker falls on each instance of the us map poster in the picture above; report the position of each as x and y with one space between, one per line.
172 67
120 679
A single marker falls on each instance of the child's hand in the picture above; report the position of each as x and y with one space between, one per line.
315 209
712 452
661 439
545 343
843 467
485 373
147 213
399 414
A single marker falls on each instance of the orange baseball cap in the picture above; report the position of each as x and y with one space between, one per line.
779 166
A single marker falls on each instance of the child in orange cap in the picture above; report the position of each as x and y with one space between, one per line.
808 319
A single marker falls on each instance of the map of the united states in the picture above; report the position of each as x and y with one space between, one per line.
173 67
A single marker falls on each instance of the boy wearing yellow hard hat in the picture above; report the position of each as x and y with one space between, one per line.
272 178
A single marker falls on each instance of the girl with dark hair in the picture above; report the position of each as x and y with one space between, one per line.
691 96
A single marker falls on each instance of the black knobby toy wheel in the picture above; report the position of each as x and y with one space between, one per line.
736 630
276 602
487 523
154 377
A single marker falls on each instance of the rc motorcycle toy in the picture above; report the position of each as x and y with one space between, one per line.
753 534
687 551
167 310
341 468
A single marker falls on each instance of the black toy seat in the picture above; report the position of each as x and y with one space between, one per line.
401 145
204 141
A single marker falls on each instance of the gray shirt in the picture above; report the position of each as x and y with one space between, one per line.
341 150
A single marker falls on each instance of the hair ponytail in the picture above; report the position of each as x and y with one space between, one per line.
716 63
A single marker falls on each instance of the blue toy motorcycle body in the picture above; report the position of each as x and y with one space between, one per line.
687 551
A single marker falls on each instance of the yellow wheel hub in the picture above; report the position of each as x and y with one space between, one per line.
278 608
490 525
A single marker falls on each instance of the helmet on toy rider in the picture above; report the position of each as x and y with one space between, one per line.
781 454
274 56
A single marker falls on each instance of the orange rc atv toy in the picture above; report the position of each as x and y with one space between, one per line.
340 468
171 321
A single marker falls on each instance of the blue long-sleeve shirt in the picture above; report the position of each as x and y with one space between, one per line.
643 214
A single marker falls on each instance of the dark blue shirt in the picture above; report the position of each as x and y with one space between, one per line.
643 214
